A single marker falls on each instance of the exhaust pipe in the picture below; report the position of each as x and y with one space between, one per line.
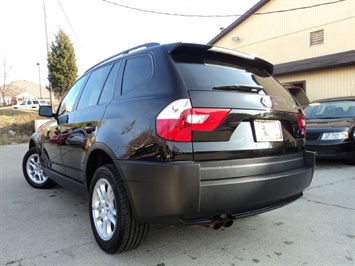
215 225
228 223
220 221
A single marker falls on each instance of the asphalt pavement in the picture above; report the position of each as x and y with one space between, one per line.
52 227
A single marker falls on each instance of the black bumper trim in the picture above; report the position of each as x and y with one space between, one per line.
245 213
164 192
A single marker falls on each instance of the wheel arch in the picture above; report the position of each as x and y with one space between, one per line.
31 144
34 142
98 155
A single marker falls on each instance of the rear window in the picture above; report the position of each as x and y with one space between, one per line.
220 76
331 109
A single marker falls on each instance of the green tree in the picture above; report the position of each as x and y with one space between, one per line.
62 67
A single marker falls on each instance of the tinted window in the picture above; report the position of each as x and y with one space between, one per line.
107 91
68 102
93 87
138 70
200 76
209 76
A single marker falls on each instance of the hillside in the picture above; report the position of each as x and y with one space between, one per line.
30 87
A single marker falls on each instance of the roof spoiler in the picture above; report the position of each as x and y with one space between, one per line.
206 49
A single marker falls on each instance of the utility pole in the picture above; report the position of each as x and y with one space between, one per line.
4 73
39 76
4 81
47 46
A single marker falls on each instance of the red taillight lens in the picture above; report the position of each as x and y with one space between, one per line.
177 121
206 119
301 122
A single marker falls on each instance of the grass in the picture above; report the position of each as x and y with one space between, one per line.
19 121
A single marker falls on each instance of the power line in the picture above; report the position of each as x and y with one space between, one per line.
217 16
166 13
298 8
65 15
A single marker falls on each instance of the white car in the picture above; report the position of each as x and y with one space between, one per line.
30 104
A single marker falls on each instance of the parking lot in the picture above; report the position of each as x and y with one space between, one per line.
51 227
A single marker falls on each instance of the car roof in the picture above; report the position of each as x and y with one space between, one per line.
195 48
351 98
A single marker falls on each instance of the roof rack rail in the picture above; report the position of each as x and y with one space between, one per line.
145 45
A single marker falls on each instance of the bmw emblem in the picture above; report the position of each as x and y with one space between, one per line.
266 101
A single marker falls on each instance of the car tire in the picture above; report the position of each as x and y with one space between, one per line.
351 161
33 172
112 221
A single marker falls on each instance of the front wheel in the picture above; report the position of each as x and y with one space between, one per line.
112 222
33 172
351 161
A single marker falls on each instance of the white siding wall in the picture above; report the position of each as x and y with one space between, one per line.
284 36
326 84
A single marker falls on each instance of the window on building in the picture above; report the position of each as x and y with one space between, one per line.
317 37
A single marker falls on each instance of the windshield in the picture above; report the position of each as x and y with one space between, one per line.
331 110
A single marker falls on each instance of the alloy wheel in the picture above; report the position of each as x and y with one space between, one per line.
104 209
34 170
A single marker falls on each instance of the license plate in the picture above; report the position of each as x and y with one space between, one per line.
268 130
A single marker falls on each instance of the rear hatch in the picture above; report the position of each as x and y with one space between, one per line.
260 118
299 94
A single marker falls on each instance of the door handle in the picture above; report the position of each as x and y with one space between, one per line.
89 129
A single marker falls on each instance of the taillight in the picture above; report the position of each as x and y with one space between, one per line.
301 122
178 120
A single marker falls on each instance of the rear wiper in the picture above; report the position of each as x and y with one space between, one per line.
240 87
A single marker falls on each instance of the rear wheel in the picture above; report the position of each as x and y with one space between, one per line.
112 222
33 172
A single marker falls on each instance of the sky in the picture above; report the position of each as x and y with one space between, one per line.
101 28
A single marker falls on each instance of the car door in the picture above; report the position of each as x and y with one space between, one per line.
54 137
80 127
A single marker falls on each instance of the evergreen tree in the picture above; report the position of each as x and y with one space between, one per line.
62 67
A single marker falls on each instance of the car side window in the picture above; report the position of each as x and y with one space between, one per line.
69 99
138 70
109 87
91 93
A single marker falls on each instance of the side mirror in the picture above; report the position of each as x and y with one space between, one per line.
45 110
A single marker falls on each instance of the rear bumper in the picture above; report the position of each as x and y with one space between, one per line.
185 192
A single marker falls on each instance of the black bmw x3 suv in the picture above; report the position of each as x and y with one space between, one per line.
176 134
